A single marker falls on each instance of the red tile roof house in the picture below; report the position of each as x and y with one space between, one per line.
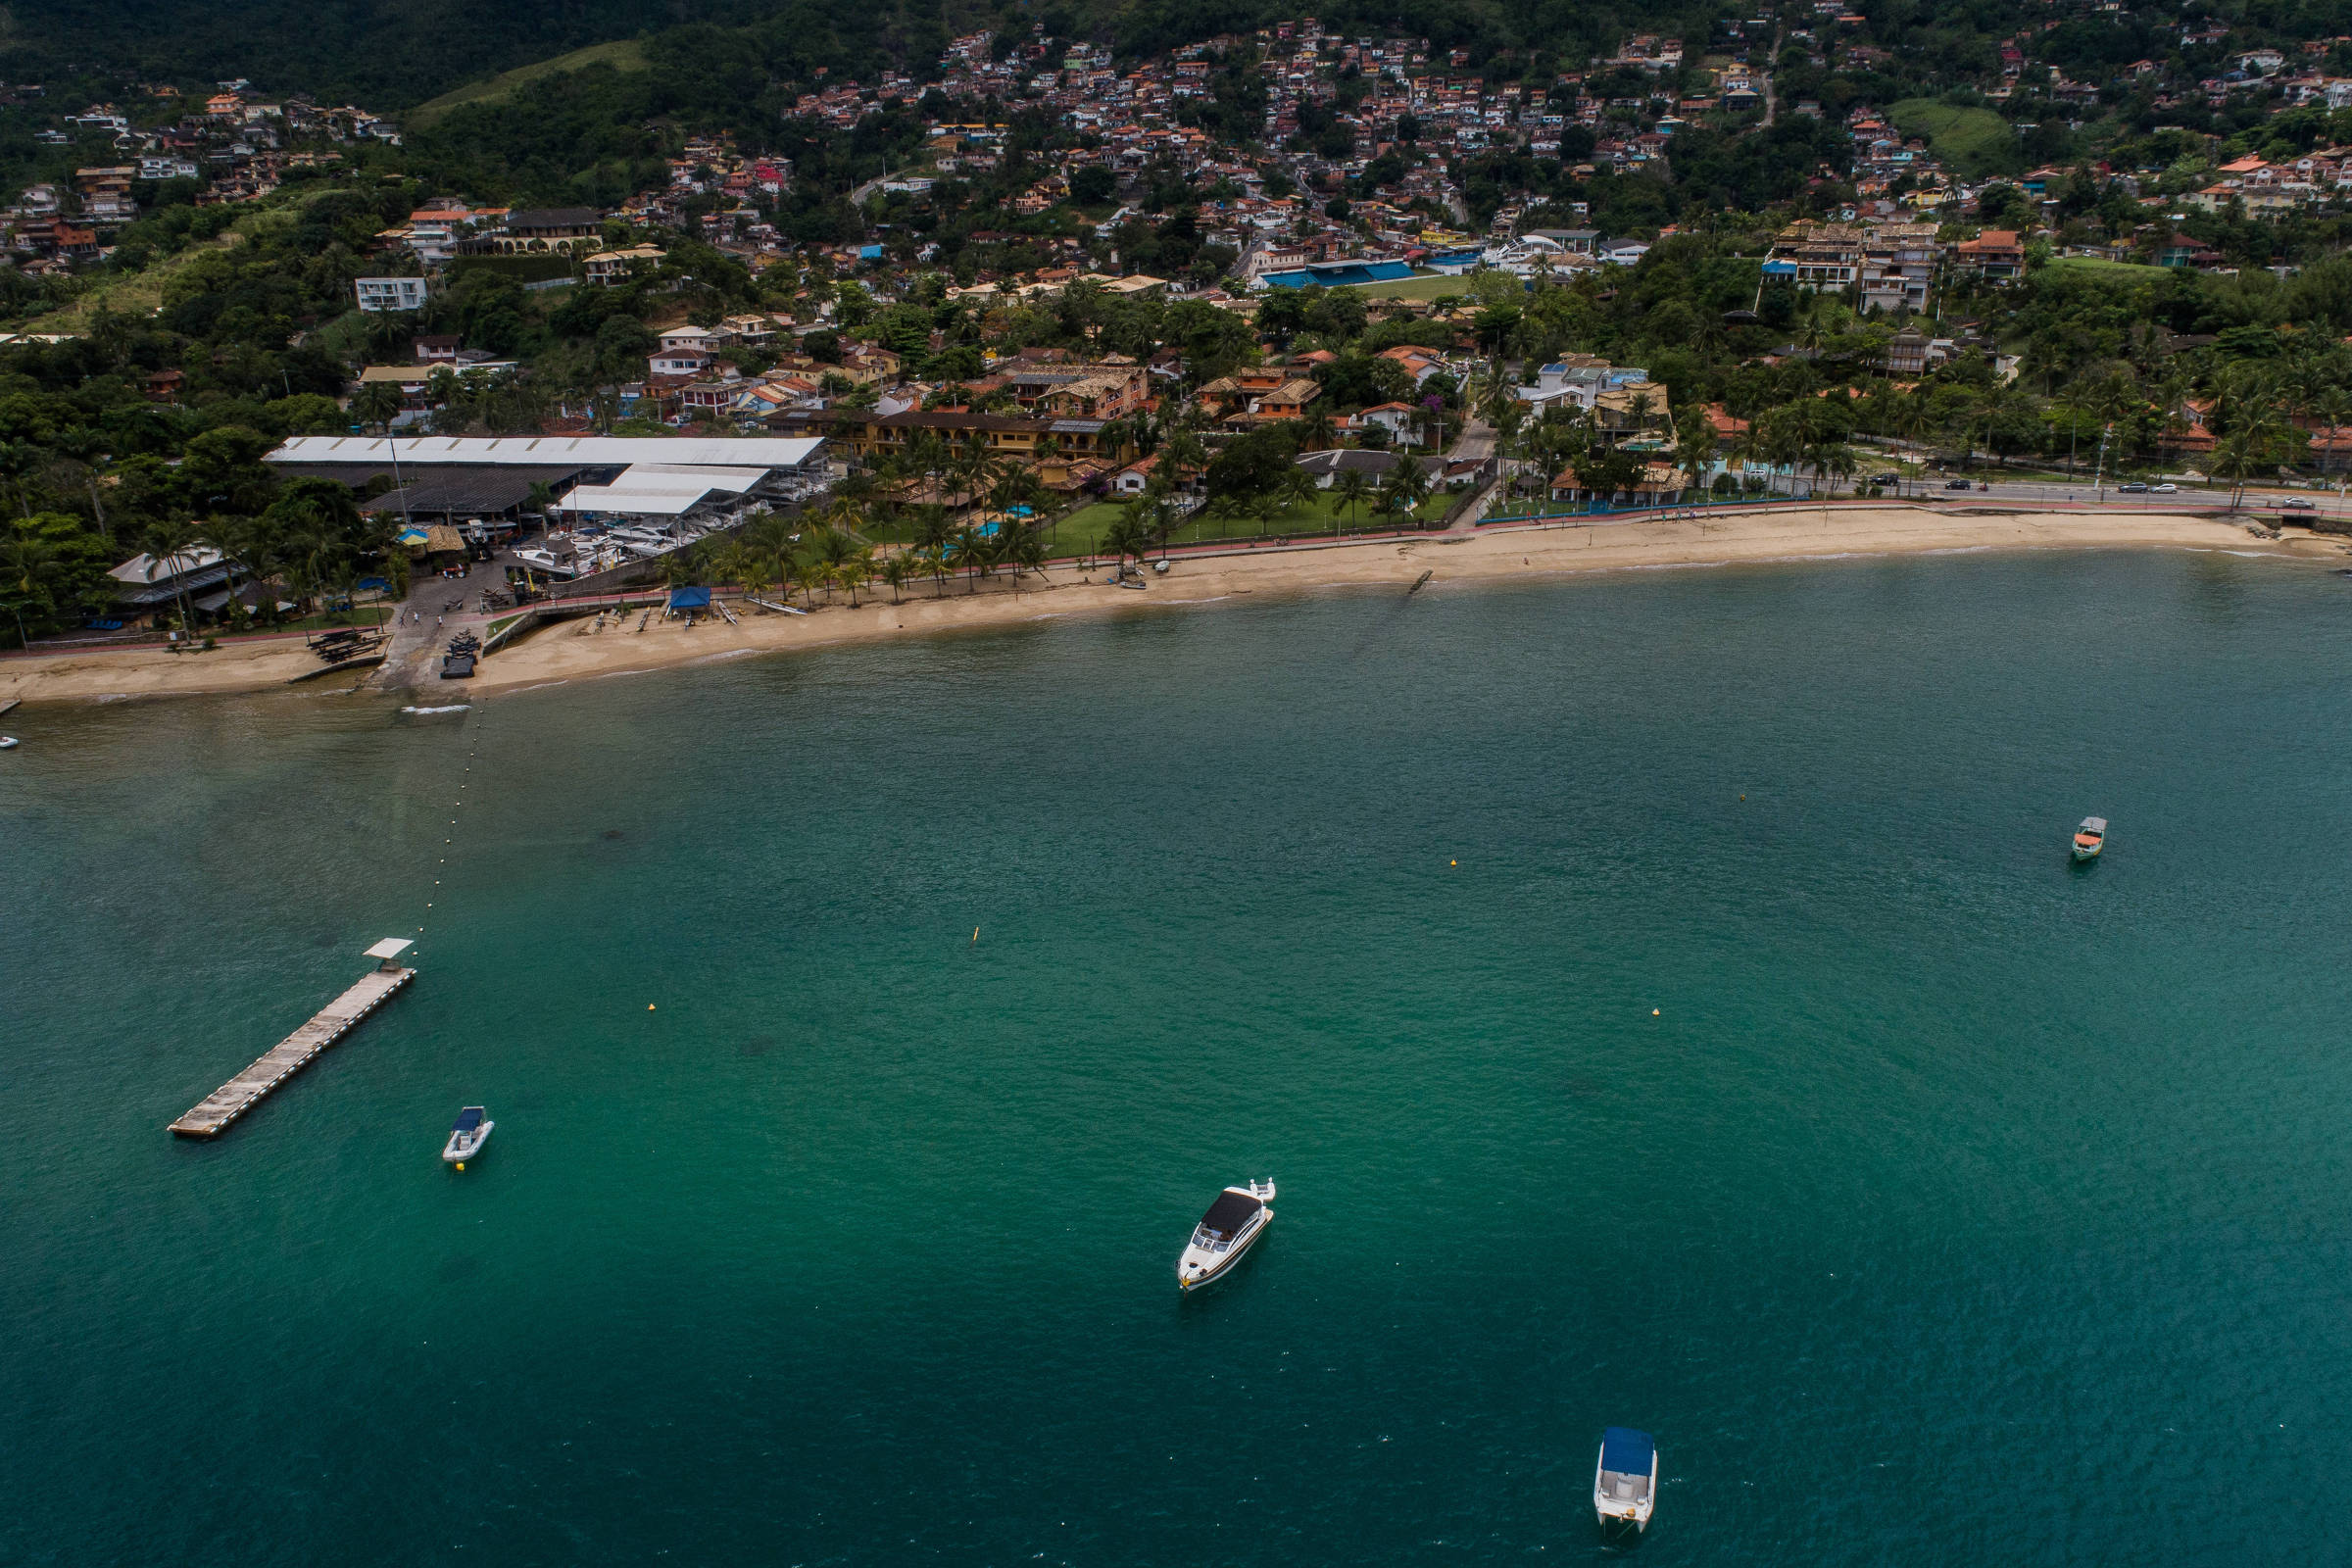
1995 253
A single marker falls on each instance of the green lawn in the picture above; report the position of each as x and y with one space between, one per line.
622 54
1972 142
1083 532
1411 288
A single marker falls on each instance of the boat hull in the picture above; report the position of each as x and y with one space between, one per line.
1219 1265
461 1148
2083 855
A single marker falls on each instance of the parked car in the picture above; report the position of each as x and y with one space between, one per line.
2136 487
1959 485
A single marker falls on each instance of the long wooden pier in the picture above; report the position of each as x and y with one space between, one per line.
211 1116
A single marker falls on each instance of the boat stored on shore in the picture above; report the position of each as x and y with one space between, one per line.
1230 1228
1625 1480
2091 837
466 1137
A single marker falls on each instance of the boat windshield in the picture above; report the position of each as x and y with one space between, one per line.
1229 1213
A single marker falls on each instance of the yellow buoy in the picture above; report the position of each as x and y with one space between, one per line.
1653 1013
461 1164
649 1007
1453 862
975 935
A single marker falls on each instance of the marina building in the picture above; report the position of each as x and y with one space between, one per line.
596 478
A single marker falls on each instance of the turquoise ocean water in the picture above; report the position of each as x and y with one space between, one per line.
1955 1205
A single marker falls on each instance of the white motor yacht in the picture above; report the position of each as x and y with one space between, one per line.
466 1137
1235 1221
545 563
1625 1483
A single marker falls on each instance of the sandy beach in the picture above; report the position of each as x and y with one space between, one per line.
571 651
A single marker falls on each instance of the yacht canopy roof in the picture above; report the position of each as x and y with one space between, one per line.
468 1119
1230 1213
1627 1453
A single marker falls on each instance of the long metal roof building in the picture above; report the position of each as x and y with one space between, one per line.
549 451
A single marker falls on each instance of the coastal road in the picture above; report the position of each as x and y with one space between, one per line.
2084 493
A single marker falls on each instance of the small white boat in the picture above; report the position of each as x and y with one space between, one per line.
1235 1221
7 743
2091 837
466 1137
1625 1483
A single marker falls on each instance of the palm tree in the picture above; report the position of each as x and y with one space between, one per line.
24 555
1024 551
1349 491
378 403
753 566
857 568
2243 454
934 533
1183 454
1410 480
1297 487
970 550
1694 450
2334 406
1832 460
173 538
897 567
1129 535
1315 428
1637 408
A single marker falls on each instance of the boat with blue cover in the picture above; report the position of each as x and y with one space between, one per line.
466 1137
1625 1483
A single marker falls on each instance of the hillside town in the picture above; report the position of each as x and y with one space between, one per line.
1145 292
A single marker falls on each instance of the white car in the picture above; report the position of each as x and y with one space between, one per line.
2168 489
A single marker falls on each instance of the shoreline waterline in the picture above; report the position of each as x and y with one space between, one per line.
570 651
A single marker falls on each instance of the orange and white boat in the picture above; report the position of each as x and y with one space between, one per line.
2091 837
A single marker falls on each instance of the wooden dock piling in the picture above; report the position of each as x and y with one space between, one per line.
211 1116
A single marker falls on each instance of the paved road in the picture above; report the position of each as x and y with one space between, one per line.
1476 443
2083 492
432 613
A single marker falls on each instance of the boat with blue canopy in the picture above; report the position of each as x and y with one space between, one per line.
467 1136
1625 1483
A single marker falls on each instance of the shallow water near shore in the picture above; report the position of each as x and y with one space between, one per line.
1954 1204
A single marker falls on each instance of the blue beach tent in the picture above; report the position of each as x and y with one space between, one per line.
689 599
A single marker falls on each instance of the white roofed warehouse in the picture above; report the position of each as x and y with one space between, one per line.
593 478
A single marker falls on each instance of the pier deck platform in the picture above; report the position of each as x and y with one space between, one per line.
211 1116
